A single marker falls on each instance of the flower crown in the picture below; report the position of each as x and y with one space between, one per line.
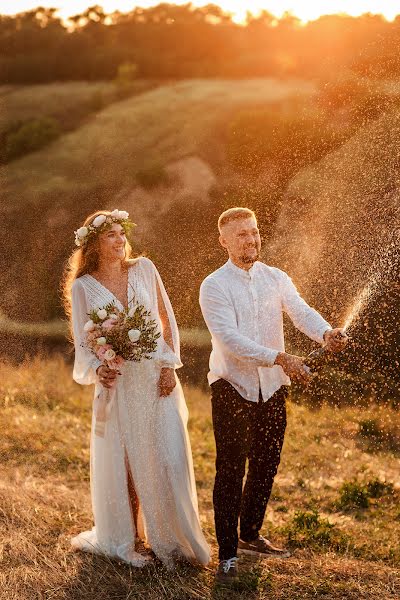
101 223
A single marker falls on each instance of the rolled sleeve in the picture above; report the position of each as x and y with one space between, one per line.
303 316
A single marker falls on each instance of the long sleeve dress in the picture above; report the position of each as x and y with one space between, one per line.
145 438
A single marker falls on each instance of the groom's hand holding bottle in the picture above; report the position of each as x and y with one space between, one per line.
294 367
335 339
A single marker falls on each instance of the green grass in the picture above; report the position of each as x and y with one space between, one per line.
308 530
45 499
56 327
66 102
195 337
353 495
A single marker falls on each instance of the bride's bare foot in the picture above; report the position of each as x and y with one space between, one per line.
141 547
140 560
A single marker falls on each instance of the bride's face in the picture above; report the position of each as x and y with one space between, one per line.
112 243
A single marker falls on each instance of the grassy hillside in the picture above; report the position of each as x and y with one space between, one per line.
338 235
157 126
348 198
66 102
49 191
335 502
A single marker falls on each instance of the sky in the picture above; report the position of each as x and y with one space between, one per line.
304 9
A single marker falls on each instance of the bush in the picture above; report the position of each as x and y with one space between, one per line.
360 99
370 428
152 176
29 136
96 101
353 495
378 489
257 139
379 437
309 529
341 92
125 78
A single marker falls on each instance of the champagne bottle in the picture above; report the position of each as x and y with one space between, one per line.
318 358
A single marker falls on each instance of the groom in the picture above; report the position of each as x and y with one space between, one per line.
242 304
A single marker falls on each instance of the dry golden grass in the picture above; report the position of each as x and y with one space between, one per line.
44 500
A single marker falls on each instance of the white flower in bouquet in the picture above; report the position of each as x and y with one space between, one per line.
117 337
109 354
115 213
99 220
122 214
89 326
134 335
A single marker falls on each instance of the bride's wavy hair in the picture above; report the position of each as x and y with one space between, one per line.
84 260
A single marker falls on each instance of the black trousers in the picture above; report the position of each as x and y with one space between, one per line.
244 430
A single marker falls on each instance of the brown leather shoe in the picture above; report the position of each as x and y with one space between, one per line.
262 547
227 571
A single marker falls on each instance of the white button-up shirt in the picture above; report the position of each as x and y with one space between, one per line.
244 312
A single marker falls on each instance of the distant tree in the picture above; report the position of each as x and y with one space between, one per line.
168 40
125 78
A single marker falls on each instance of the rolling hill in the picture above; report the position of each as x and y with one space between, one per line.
48 192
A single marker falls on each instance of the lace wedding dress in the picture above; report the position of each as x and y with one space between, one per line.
145 444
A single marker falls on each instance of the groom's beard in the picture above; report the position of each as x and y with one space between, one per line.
249 260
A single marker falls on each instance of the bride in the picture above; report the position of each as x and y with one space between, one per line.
141 470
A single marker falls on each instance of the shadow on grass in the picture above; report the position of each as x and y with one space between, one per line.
103 579
253 582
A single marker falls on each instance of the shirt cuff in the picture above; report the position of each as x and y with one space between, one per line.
323 329
166 358
271 357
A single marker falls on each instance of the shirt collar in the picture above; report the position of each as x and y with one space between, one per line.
242 272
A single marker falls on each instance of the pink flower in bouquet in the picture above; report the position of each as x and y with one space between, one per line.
92 336
102 350
108 324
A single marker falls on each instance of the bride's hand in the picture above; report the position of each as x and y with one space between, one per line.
167 382
106 376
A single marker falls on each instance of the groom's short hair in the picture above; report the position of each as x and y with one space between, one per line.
234 214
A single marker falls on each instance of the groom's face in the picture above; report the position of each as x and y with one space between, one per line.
241 238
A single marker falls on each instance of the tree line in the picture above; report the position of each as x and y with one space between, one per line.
170 41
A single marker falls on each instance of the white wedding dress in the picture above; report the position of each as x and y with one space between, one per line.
145 436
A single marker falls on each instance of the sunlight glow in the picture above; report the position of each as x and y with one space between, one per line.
306 10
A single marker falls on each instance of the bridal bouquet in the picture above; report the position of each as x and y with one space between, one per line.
116 336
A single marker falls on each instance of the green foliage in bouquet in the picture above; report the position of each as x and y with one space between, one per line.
134 335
